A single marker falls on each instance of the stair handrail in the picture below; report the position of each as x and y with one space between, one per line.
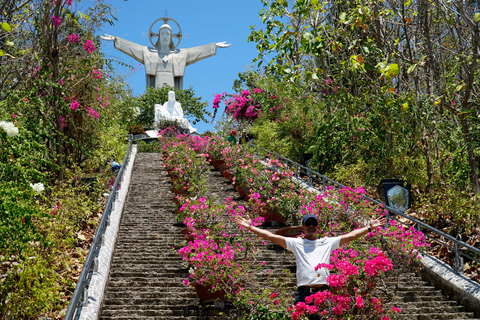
391 212
79 294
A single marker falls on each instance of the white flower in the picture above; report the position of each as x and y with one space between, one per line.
9 128
37 187
136 111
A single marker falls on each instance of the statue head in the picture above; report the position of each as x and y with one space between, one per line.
171 96
165 38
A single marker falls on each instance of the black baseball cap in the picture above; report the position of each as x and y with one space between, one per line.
308 216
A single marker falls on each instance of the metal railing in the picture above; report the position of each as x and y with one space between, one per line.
80 296
391 214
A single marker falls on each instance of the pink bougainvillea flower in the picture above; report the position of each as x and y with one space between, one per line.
74 105
56 21
92 113
256 90
359 302
216 101
88 46
273 295
73 38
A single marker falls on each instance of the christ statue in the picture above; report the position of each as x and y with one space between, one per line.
164 65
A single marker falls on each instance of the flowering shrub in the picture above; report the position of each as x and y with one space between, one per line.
357 274
224 258
215 146
242 107
186 169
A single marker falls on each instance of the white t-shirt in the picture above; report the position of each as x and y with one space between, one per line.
308 255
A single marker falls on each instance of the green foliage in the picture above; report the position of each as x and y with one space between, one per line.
448 208
17 212
24 158
191 105
149 147
33 280
266 133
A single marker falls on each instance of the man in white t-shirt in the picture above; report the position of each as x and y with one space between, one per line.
309 251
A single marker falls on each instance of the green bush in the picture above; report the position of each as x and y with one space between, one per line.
17 212
31 288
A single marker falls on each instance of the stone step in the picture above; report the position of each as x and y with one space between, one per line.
436 316
167 312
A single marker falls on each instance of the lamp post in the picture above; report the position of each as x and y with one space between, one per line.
398 198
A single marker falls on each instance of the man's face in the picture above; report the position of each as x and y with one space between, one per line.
165 36
310 228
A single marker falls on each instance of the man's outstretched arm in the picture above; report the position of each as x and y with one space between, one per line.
267 235
355 234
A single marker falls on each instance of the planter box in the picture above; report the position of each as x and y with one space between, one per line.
272 215
205 295
291 232
242 191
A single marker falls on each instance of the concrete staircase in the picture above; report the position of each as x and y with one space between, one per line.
146 275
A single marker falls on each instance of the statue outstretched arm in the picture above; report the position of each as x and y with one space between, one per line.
223 44
132 49
108 37
202 52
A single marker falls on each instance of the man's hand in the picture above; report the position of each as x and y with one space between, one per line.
108 37
246 223
376 223
223 44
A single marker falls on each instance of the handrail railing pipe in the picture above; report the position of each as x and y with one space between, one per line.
391 214
80 294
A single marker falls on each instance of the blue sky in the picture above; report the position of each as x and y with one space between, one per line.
202 22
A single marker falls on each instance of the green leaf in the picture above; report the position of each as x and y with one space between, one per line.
393 70
405 107
9 43
390 102
308 36
460 87
476 17
342 16
1 53
6 27
411 68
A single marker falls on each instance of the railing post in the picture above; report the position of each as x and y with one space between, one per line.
309 178
324 188
458 261
85 298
